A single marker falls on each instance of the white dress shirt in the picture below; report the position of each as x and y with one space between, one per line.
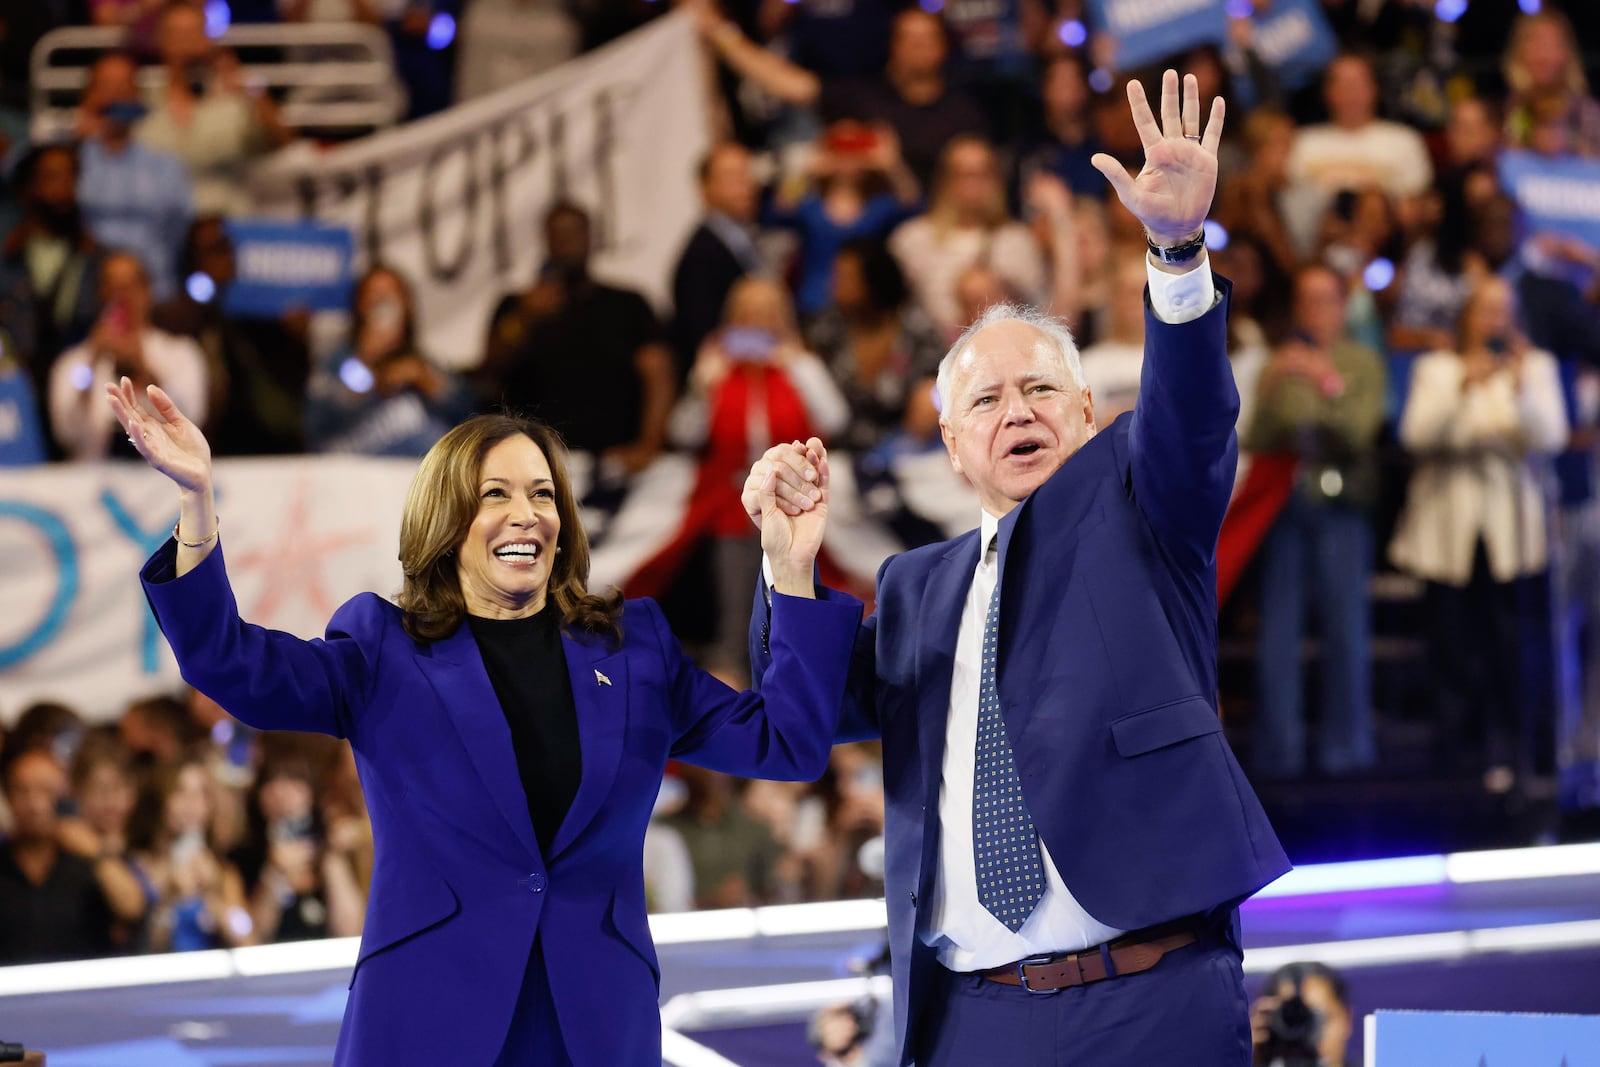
961 930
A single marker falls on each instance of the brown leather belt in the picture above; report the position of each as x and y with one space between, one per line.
1129 954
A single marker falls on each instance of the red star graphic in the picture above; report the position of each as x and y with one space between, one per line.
295 561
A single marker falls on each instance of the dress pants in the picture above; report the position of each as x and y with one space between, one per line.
1188 1009
1324 550
1473 646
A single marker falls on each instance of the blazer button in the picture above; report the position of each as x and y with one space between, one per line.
536 882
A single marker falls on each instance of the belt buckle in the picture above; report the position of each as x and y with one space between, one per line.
1022 975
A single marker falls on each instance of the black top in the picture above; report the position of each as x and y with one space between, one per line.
528 668
576 369
66 918
705 274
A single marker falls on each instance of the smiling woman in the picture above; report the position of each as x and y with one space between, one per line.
511 730
491 529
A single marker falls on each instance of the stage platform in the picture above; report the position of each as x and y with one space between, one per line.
1507 931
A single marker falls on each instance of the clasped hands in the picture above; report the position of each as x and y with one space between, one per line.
786 496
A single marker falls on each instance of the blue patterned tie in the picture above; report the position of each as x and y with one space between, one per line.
1005 845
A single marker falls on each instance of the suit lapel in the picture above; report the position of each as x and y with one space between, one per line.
600 692
940 625
455 669
1003 538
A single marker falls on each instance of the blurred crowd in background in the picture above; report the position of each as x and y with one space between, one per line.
1413 546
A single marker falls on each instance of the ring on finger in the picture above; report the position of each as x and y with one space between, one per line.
1192 137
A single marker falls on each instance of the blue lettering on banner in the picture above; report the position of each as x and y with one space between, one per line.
1558 195
287 266
55 616
1148 30
147 541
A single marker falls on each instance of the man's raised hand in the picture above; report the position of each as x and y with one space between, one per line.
1173 193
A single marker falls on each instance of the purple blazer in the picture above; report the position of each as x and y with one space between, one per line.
460 886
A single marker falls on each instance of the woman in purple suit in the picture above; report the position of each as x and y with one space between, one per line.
511 730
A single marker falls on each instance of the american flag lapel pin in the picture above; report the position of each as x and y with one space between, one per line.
601 679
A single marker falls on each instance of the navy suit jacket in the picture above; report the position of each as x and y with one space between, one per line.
1106 669
460 885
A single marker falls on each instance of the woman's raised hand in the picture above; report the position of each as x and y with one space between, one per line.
163 435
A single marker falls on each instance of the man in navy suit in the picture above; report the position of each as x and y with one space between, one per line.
1068 835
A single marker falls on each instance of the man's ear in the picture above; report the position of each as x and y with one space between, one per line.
1088 407
950 443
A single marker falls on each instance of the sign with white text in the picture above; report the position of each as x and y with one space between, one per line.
1558 195
288 266
1148 30
1293 38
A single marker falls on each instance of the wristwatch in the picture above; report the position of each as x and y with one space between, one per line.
1178 253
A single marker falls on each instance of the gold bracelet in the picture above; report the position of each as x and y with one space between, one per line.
203 542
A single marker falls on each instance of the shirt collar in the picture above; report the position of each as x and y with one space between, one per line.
726 224
987 529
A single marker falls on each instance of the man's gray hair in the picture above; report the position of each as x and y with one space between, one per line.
1057 334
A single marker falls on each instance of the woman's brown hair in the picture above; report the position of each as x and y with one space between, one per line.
408 307
1516 73
941 212
147 825
440 507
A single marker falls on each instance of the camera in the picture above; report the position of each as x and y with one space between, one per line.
1308 1023
293 828
861 1014
1294 1029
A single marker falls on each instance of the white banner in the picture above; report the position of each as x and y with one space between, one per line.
301 536
456 201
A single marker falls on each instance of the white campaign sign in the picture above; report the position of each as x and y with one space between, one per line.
456 201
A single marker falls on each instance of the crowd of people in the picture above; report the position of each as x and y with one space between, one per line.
1416 370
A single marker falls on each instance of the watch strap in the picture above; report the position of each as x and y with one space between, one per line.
1178 253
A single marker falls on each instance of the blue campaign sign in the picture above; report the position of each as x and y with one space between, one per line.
1556 194
284 266
1481 1039
1148 30
1294 40
21 435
